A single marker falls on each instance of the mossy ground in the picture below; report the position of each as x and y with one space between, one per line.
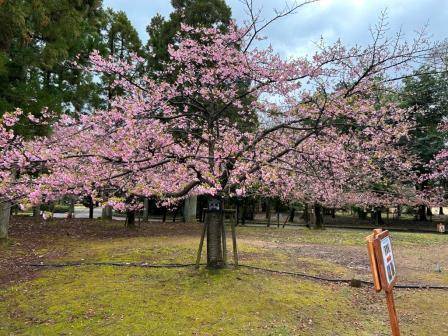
105 300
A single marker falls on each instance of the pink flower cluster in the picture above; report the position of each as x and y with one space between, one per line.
228 119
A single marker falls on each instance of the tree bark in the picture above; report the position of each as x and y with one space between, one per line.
130 219
91 206
377 218
71 209
175 214
292 213
306 215
146 209
5 214
91 211
319 215
440 210
422 213
190 209
362 214
213 220
106 212
268 212
164 214
243 212
36 212
398 211
278 217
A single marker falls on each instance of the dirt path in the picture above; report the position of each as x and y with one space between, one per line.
415 264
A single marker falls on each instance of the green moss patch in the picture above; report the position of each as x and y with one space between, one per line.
120 301
105 300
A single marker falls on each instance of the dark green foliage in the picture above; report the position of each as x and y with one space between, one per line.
119 39
38 39
427 96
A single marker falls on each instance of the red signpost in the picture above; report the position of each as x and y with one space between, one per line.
382 264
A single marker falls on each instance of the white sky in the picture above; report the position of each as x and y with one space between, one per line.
331 19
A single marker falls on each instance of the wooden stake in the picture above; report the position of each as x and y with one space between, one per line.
201 244
235 251
224 241
373 264
392 313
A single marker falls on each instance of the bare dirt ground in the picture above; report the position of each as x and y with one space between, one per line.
416 265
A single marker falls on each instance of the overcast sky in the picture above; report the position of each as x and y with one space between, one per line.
331 19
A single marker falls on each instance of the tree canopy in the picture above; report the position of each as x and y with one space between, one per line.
38 39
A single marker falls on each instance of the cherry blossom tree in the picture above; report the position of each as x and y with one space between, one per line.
14 159
191 130
7 144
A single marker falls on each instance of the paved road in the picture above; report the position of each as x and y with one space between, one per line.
83 212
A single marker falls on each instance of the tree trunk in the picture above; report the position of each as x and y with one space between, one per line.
130 219
71 208
292 213
326 211
91 211
268 212
333 213
106 212
377 218
5 214
362 214
190 209
175 214
398 211
422 213
278 217
440 210
306 215
91 206
243 212
36 212
319 215
146 209
214 222
164 215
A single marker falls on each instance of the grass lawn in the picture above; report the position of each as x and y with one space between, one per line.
107 300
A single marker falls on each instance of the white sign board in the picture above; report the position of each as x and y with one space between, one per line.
388 259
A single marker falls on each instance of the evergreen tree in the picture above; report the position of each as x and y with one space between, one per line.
120 40
427 96
38 41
